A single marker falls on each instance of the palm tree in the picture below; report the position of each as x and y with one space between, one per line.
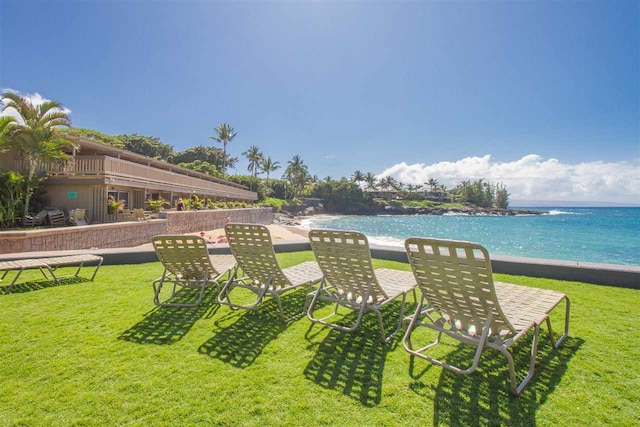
269 166
371 181
297 174
224 135
432 183
357 177
413 188
442 192
34 134
7 124
254 156
389 182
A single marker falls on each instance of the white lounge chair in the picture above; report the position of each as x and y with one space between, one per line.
187 264
465 304
350 280
252 248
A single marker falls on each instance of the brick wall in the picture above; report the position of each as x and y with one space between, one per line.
126 234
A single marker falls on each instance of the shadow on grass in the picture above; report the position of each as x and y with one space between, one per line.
166 325
353 363
484 397
241 343
34 285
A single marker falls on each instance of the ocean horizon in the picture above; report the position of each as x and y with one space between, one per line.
608 235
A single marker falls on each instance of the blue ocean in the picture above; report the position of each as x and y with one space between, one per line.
605 235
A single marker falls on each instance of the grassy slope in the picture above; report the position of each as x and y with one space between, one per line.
101 354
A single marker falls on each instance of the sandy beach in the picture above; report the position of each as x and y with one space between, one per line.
278 233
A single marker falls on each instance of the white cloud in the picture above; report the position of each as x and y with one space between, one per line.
533 178
34 99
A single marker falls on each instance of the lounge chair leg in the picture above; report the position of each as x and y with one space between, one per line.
516 389
356 324
8 288
386 338
280 309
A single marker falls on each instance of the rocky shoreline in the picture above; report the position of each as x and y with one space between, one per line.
293 219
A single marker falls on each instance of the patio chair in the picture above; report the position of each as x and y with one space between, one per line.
56 218
252 248
78 217
35 220
187 264
140 215
465 304
350 280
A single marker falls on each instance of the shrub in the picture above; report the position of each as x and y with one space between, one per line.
276 204
156 205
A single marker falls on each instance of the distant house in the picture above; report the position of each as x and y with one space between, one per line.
387 195
97 171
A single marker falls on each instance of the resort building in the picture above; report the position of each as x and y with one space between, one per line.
98 173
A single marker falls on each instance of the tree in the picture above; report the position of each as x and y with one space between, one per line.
413 188
11 195
357 177
224 135
341 195
442 191
390 183
94 135
297 173
254 156
35 134
269 166
371 181
211 155
201 166
149 146
432 183
502 196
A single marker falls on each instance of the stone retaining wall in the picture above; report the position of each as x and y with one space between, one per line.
126 234
192 221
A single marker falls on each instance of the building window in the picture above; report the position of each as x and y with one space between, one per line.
118 196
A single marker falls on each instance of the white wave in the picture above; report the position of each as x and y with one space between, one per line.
455 214
306 224
310 222
386 241
556 212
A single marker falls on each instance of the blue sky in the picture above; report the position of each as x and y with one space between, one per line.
544 96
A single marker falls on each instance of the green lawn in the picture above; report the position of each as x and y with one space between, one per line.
100 353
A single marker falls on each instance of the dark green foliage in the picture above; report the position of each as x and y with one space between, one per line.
203 167
210 155
341 195
502 196
149 146
278 188
254 184
12 188
483 194
94 135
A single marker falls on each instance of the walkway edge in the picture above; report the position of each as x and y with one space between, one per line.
595 273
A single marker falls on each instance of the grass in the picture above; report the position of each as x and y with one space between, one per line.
100 353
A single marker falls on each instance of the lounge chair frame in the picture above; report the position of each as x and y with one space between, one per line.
461 300
56 219
258 270
49 265
350 280
187 264
35 220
